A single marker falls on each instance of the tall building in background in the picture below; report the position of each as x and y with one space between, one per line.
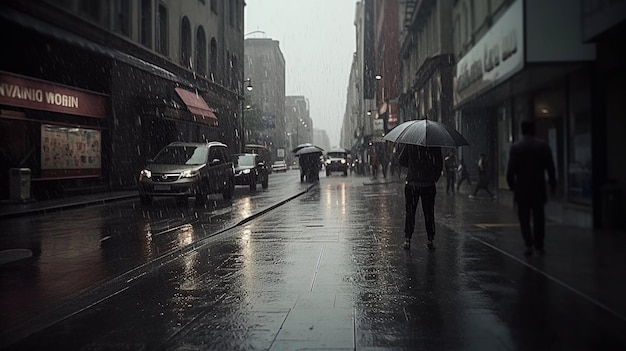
105 84
265 66
299 125
321 139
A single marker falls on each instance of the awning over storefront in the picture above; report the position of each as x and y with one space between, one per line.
195 103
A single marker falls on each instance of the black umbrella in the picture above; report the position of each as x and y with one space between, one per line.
302 146
307 150
425 132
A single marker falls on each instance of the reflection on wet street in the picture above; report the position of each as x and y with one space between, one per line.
326 271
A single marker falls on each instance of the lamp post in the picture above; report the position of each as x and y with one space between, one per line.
243 113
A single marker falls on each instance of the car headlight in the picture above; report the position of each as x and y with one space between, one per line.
343 161
246 171
145 174
328 162
189 174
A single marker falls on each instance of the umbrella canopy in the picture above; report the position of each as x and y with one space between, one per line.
424 132
302 146
309 150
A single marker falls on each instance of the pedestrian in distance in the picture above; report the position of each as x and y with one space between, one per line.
463 175
483 176
374 162
450 171
529 160
424 170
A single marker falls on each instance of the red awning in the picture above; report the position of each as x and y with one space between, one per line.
195 103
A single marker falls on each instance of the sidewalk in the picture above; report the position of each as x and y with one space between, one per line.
10 208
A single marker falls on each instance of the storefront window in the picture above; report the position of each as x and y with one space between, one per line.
579 134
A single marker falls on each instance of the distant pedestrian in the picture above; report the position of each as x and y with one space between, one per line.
424 170
374 162
483 176
529 160
463 174
450 171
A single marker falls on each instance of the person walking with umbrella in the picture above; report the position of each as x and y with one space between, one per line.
424 170
423 157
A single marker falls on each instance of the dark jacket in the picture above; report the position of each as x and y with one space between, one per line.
529 159
424 164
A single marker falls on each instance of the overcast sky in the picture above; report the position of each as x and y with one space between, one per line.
317 39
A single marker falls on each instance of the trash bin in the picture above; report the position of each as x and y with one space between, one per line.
612 207
19 184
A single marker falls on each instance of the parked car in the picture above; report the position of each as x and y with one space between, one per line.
262 151
250 169
336 161
184 170
279 166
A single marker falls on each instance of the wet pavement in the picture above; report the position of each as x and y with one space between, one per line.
325 271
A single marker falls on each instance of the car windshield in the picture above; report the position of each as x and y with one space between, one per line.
336 155
182 155
245 160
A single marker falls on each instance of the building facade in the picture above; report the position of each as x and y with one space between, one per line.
90 90
265 66
299 124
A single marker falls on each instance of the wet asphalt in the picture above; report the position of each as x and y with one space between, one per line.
325 270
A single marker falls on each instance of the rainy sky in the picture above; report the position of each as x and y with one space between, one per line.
317 39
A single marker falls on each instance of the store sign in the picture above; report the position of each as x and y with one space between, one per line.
39 95
495 58
70 152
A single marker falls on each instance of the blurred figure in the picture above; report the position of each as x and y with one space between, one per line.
529 160
483 176
463 174
374 162
450 171
424 170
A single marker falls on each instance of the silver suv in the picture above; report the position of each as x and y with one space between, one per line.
184 170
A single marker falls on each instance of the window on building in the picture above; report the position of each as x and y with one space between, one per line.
121 17
231 12
213 54
185 43
201 55
145 23
161 30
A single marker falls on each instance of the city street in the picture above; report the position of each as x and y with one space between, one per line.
320 270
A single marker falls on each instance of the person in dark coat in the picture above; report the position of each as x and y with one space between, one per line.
529 160
424 170
450 169
483 176
463 175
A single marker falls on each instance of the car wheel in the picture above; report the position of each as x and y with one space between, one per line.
201 195
229 190
145 199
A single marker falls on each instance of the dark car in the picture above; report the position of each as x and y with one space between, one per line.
262 151
184 170
250 169
336 161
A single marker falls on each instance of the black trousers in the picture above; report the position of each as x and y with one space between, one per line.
450 180
412 195
532 236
